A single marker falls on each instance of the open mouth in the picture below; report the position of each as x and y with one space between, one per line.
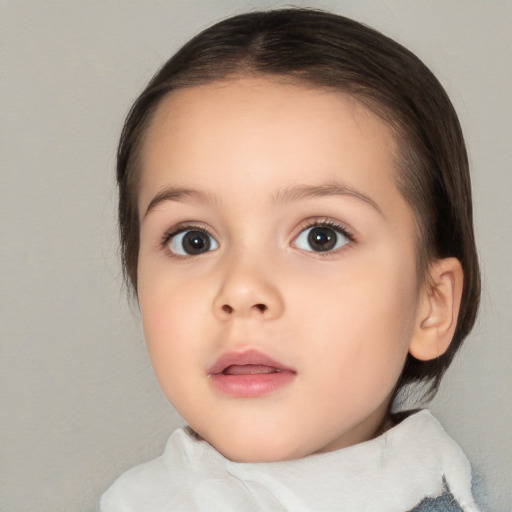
250 369
249 362
249 374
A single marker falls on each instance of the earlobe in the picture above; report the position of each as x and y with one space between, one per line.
438 310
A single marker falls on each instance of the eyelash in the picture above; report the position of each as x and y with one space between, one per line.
327 223
180 228
322 222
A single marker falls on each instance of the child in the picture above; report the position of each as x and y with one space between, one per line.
295 216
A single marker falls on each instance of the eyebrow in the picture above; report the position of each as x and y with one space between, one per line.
180 194
286 195
298 192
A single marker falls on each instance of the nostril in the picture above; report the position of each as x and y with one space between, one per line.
229 310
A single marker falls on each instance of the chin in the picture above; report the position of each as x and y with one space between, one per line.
247 450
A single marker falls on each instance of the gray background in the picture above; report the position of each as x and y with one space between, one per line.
79 403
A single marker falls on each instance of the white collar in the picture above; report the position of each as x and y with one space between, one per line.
393 472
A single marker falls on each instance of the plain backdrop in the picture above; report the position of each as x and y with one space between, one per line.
79 403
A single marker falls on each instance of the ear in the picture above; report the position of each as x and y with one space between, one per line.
438 310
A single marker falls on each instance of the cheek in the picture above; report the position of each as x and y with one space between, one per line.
362 316
170 344
167 296
169 311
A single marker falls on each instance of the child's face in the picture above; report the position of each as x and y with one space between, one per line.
259 180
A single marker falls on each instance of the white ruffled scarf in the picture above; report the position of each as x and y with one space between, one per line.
391 473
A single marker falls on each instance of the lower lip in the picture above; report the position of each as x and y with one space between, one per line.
253 385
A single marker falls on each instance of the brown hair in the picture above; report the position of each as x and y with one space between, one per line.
325 50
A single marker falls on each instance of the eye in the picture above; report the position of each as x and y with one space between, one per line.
191 242
322 238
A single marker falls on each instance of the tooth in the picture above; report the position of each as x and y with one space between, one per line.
250 369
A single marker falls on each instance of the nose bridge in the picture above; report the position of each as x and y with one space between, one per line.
249 287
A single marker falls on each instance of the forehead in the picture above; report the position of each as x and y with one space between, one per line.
272 99
248 130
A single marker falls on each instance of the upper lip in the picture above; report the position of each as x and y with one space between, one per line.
252 357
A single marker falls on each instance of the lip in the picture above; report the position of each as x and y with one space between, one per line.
263 374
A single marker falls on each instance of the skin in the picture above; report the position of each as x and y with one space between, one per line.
344 320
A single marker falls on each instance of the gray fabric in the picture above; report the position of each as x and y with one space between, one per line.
444 503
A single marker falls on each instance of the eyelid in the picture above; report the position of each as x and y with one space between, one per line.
181 228
327 222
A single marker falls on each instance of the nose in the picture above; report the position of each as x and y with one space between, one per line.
248 290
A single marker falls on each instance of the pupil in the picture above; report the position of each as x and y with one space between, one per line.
322 239
196 242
